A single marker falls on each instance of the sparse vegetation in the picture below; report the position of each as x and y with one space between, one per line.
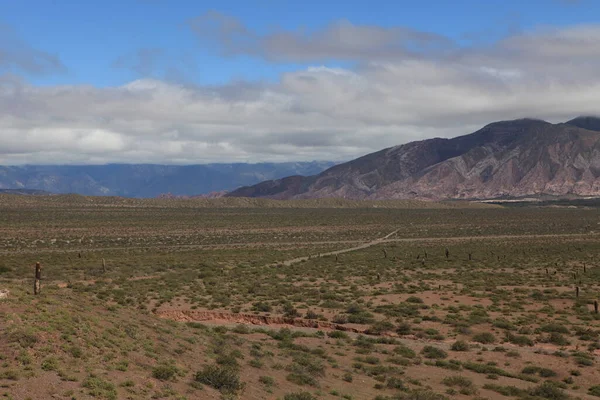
223 378
221 301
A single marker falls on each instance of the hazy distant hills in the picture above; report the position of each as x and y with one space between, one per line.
517 158
148 180
25 192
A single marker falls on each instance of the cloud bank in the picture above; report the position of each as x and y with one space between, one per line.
403 85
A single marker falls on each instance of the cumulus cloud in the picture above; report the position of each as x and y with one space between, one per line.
316 112
18 56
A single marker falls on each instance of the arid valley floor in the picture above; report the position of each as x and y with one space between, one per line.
298 300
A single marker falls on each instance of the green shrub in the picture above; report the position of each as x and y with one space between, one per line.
76 351
554 327
405 351
519 340
486 369
289 311
9 374
503 324
433 352
453 365
465 385
223 378
241 329
380 327
299 396
50 364
583 360
266 380
302 379
404 329
414 299
460 345
395 383
338 335
24 338
361 318
485 338
594 390
228 360
549 390
165 372
419 394
509 391
543 372
340 319
558 339
100 388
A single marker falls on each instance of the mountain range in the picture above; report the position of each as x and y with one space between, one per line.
507 159
149 180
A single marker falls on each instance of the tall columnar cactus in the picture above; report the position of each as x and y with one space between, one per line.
447 253
103 265
37 285
576 291
595 306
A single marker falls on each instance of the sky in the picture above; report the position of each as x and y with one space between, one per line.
188 82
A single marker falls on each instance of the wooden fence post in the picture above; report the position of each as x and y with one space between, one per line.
37 285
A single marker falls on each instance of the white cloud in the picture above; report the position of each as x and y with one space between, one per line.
313 113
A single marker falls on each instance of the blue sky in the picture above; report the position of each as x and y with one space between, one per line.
89 36
184 82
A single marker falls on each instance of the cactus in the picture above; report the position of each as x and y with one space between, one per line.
37 285
447 253
576 291
103 265
595 306
470 256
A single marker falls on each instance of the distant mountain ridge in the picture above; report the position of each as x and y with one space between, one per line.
149 180
525 157
25 192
